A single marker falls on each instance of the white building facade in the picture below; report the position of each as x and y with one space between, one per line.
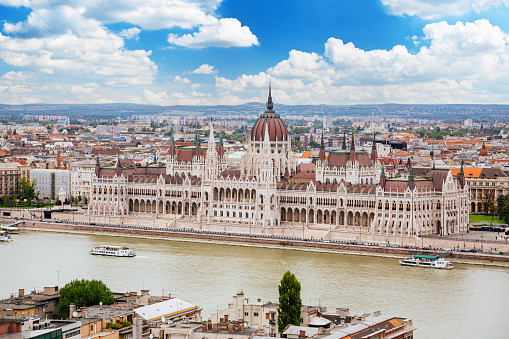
350 191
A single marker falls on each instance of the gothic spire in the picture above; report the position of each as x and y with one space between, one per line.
270 104
431 153
411 179
352 156
374 153
461 176
382 177
343 148
321 155
118 161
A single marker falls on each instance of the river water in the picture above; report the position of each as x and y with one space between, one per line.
466 302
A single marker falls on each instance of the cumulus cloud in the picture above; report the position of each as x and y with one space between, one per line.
73 45
180 80
130 33
226 32
204 69
84 89
464 63
147 14
434 9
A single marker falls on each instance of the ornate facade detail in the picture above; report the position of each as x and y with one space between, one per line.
350 191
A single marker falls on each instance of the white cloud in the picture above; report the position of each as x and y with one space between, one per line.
84 89
464 63
301 65
160 98
204 69
130 33
73 45
180 80
226 32
439 8
148 14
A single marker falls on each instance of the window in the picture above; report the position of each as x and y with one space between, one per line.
246 314
255 314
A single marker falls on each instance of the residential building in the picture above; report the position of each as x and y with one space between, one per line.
81 179
50 181
10 176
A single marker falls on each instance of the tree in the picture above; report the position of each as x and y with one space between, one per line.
27 190
488 202
290 302
83 293
502 200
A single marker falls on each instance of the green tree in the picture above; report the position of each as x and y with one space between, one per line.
290 302
27 190
504 214
83 293
488 202
502 200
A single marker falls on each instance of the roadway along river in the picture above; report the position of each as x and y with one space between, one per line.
466 302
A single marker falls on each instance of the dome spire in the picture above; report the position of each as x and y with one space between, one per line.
270 104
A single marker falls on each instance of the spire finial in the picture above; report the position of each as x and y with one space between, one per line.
97 160
118 160
270 104
374 141
344 140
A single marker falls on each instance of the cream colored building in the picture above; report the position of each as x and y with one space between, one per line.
81 179
258 314
10 175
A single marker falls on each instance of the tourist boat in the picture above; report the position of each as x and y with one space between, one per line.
433 261
4 237
114 251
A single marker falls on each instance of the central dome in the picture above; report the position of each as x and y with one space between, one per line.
272 121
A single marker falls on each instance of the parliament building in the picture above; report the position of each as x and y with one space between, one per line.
350 191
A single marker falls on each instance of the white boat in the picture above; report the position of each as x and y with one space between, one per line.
5 237
433 261
113 251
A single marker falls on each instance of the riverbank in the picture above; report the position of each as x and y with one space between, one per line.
266 242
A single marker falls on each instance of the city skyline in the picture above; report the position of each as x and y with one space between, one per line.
213 52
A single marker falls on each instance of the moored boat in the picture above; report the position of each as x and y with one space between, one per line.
5 237
113 251
433 261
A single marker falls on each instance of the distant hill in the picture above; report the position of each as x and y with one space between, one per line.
109 111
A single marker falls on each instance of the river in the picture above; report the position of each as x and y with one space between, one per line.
467 302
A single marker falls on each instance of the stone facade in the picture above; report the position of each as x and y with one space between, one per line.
350 191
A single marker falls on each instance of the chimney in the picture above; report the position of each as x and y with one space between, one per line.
21 292
226 317
72 309
302 334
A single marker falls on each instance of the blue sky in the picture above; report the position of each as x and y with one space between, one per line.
224 52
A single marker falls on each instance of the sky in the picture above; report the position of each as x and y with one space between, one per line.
225 52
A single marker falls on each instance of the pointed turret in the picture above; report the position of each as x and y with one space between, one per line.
382 177
343 147
155 159
411 179
461 176
97 165
220 145
118 168
321 155
374 153
431 153
352 157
